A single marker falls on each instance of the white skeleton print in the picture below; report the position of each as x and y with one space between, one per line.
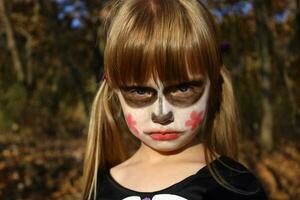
157 197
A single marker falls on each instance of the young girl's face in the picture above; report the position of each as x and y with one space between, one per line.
165 117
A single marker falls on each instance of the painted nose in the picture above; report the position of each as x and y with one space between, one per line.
163 119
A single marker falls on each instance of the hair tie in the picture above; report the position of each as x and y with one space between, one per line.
224 47
104 77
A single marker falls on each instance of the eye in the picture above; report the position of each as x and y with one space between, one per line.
140 91
186 89
183 88
138 96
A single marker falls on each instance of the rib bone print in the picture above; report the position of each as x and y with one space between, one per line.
157 197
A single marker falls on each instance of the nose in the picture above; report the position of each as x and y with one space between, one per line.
163 114
163 119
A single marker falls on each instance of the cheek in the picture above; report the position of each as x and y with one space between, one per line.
196 115
131 123
196 118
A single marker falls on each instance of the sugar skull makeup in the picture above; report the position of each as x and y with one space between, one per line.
165 117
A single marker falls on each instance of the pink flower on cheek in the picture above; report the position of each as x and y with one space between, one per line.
131 124
195 119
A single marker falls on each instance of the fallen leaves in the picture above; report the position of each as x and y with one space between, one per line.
52 169
279 170
40 168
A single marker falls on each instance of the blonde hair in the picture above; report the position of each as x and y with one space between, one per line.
172 40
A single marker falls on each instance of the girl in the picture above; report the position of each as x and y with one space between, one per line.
163 123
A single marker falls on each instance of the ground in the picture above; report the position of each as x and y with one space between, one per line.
48 168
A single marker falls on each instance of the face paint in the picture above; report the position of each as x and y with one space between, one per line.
163 119
131 124
156 114
181 95
185 94
196 118
137 97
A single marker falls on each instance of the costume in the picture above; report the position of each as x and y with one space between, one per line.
195 187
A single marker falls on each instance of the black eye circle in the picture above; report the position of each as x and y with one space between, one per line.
183 88
139 91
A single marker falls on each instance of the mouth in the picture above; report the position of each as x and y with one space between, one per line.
165 135
164 132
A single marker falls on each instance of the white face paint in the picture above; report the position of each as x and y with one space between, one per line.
165 118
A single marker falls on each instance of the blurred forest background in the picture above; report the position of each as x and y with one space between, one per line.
51 66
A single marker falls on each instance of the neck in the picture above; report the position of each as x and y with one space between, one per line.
193 151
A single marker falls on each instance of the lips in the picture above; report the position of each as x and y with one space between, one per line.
164 135
164 132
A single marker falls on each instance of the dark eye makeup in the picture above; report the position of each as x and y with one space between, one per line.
185 87
138 90
139 96
182 94
185 94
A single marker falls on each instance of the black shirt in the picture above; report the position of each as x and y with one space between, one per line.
200 186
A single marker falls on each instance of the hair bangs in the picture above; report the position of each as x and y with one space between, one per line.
159 41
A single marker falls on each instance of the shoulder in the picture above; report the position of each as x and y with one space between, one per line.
231 167
242 183
116 171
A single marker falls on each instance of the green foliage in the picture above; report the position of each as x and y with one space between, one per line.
12 103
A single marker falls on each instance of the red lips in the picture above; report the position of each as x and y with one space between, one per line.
163 132
165 135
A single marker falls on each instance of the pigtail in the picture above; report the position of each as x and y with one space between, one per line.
105 146
224 135
221 123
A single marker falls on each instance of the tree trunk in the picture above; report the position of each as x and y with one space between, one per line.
263 36
78 83
285 54
298 18
11 42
